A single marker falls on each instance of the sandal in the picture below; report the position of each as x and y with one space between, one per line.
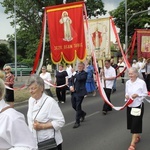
131 147
138 139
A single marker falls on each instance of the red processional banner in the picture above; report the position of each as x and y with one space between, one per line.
143 43
66 32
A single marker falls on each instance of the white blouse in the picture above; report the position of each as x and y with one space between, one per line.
110 72
50 111
46 76
137 87
14 132
121 66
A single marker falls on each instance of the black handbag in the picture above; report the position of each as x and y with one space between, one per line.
49 144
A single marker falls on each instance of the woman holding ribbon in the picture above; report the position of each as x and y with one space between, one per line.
46 76
135 89
9 82
61 79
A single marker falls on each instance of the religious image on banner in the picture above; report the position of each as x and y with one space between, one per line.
97 38
145 44
66 21
66 32
100 34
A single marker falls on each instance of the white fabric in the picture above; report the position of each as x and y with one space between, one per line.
110 72
136 65
136 87
69 71
121 66
49 112
46 76
141 66
19 148
148 68
13 130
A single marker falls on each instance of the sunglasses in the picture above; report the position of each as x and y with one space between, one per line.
7 69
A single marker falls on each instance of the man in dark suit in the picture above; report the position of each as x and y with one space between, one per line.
78 91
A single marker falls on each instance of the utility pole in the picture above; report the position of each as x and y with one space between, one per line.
126 27
15 42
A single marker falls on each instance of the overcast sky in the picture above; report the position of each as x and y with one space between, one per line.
5 27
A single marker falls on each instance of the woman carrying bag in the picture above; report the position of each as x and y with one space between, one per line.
45 118
136 90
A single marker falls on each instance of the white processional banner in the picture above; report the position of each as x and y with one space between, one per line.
99 30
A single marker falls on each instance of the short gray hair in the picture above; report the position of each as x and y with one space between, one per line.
44 67
81 63
35 79
2 89
135 70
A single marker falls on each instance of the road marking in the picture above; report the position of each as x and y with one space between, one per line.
88 116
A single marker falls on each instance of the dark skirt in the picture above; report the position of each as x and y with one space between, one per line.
134 123
9 96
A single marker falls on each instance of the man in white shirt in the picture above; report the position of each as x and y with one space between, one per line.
108 75
14 133
142 65
135 64
148 74
121 67
69 72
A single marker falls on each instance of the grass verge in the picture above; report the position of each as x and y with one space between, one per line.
22 95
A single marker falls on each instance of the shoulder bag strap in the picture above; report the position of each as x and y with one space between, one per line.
5 109
40 108
38 113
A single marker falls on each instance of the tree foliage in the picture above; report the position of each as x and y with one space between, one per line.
95 7
5 54
137 22
29 14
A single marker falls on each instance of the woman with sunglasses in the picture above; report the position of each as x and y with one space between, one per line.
9 82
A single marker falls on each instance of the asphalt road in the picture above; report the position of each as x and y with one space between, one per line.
99 132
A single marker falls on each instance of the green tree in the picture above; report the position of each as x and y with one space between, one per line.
137 22
6 55
95 7
29 14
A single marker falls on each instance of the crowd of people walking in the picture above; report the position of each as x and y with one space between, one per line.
45 118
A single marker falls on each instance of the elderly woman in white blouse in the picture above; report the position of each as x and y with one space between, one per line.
135 89
14 132
49 118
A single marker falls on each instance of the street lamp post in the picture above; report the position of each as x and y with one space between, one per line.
126 27
15 42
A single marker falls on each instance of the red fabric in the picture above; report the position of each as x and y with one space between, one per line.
72 43
143 43
132 46
119 44
38 53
